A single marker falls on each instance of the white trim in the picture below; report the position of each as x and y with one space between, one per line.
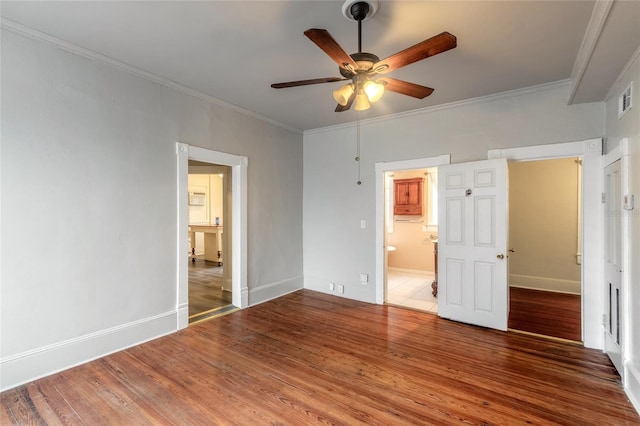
632 382
89 54
450 105
556 150
27 366
591 36
238 164
545 283
271 291
380 249
411 271
592 268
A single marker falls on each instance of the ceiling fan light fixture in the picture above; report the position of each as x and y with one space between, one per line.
343 94
374 90
362 102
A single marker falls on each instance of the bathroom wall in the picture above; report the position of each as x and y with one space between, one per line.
411 235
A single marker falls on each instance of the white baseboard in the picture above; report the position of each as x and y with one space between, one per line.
411 271
544 283
25 367
632 383
274 290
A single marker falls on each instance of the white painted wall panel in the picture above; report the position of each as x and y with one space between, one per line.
89 199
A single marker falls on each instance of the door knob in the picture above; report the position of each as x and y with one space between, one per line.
500 256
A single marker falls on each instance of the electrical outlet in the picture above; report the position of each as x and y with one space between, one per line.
363 224
340 289
364 278
332 287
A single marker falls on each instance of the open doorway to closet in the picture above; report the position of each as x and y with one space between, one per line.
411 237
546 247
210 289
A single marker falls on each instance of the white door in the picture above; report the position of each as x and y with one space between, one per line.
472 243
612 267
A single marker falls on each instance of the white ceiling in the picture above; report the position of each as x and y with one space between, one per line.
234 50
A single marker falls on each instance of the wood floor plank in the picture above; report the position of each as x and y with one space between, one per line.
205 287
310 358
546 313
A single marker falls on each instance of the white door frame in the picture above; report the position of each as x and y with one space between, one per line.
592 268
621 152
238 165
381 168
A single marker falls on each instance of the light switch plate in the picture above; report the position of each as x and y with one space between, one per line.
628 202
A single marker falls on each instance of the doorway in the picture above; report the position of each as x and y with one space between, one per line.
591 265
411 232
236 256
210 290
545 243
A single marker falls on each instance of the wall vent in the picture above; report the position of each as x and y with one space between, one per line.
624 101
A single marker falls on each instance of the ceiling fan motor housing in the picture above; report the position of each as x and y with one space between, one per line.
359 10
364 61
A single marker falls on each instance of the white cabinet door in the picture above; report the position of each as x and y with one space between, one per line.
613 263
472 243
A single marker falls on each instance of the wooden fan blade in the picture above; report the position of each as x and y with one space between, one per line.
306 82
341 108
323 39
429 47
406 88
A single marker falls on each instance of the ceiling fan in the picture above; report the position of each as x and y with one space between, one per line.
362 67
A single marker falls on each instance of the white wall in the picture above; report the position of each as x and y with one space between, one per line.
336 249
89 172
617 130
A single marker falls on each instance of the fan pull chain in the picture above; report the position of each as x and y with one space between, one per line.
358 146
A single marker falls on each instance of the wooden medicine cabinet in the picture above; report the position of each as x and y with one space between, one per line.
408 196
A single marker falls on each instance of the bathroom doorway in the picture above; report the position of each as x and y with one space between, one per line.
411 237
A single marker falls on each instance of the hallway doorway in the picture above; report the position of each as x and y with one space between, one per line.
209 201
235 256
545 240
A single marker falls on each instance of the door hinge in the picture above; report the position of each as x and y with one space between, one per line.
604 198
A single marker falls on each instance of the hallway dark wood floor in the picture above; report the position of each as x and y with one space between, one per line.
205 287
308 358
546 313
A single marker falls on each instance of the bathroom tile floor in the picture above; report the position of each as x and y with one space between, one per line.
412 290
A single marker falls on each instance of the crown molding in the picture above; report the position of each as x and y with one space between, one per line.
89 54
457 104
594 29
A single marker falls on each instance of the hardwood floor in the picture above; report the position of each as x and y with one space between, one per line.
310 358
546 313
205 287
